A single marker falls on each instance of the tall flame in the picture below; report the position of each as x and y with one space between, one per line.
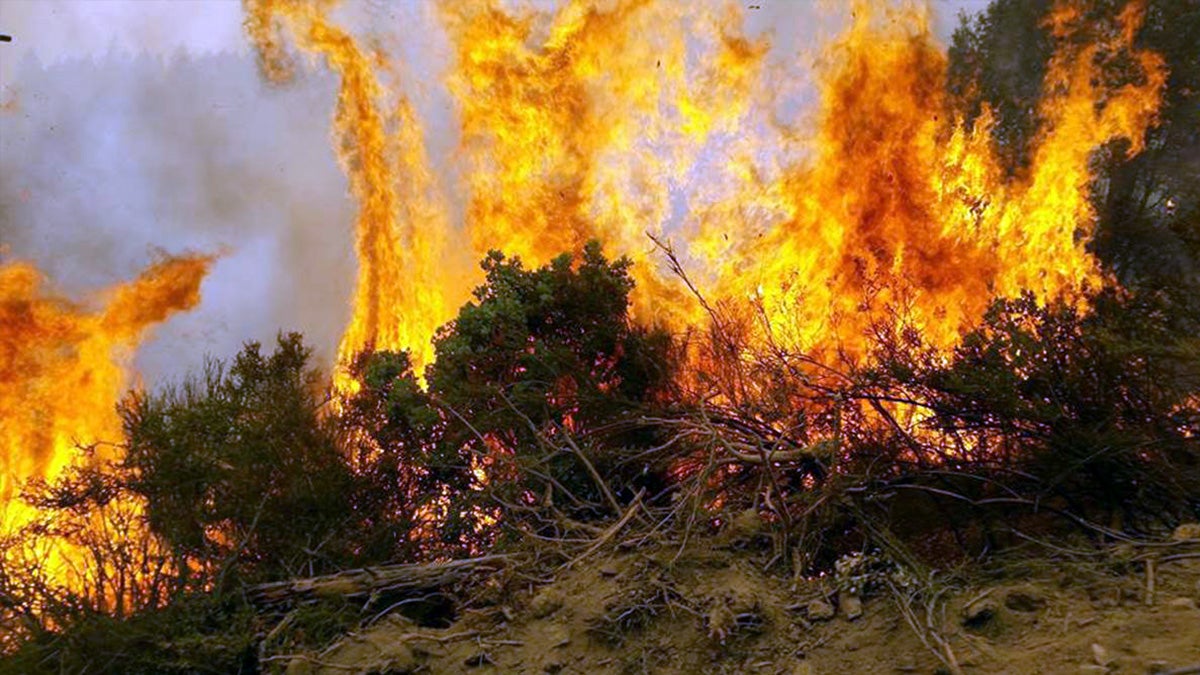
903 208
400 228
584 133
610 120
64 366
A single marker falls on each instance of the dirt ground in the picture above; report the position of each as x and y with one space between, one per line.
713 610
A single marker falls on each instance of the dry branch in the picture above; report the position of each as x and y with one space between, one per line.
362 583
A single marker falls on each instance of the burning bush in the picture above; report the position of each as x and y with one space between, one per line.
541 358
1088 418
1085 414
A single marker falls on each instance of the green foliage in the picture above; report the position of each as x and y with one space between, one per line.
193 635
1093 412
406 468
538 354
552 341
237 466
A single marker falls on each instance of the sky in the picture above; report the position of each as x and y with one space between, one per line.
110 155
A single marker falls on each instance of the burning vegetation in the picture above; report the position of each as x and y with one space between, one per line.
581 125
906 323
63 367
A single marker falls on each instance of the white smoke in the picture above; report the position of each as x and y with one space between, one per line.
105 162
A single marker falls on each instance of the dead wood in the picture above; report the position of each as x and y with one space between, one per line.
401 579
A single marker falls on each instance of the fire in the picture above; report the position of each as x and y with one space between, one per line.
903 208
63 367
583 133
610 120
400 229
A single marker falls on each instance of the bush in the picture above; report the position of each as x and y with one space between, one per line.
237 465
539 356
1090 414
194 634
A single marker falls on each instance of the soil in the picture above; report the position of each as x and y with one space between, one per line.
712 609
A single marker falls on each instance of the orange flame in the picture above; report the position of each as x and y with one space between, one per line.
400 229
605 120
583 134
902 207
63 368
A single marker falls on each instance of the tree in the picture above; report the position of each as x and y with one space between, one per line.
554 344
408 469
1102 404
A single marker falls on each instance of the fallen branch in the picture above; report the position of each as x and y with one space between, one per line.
370 581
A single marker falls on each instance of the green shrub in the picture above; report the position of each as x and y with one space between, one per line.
237 465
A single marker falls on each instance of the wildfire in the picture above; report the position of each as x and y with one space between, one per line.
63 367
400 229
613 120
598 120
903 209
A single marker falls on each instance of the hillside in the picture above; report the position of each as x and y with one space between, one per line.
709 608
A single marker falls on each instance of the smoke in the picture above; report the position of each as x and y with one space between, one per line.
54 29
105 162
131 128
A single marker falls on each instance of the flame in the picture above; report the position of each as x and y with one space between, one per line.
610 120
584 133
904 209
63 367
400 228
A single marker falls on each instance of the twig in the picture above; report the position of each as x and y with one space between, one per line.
927 633
1179 556
1186 670
1150 581
612 531
591 469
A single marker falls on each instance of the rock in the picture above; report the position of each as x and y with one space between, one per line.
850 606
1186 532
1024 600
609 571
559 636
545 603
980 612
741 530
1100 655
852 642
819 610
554 662
1181 603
